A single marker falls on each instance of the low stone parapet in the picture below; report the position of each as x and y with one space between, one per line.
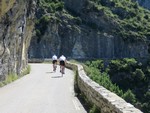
105 100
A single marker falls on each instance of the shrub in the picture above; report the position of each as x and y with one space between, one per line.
101 78
126 77
129 97
94 109
138 75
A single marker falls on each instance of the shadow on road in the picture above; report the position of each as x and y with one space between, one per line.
50 72
56 76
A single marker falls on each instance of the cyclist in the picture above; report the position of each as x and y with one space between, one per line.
62 61
54 61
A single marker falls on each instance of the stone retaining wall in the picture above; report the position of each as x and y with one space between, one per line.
105 100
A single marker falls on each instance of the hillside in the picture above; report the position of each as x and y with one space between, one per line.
124 18
126 77
144 3
91 29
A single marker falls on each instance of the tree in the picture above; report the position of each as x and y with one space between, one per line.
129 97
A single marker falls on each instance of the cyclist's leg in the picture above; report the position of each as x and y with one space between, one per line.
53 64
60 68
54 67
63 69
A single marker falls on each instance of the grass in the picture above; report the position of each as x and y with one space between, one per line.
9 78
26 71
13 76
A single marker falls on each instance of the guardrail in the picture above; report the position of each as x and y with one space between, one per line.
105 100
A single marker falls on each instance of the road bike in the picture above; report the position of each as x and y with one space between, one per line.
62 69
54 67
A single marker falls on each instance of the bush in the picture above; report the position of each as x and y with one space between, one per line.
99 64
126 77
129 97
101 78
138 75
94 109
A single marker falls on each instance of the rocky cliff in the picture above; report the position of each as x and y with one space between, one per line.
16 25
144 3
83 29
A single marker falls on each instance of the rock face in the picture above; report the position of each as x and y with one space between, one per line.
83 42
86 37
144 3
16 24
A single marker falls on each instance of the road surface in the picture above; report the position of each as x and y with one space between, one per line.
41 91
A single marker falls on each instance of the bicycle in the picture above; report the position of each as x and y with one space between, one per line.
54 67
62 69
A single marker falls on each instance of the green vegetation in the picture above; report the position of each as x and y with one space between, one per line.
94 109
9 78
97 74
51 6
130 21
26 71
125 17
47 9
12 76
127 78
90 108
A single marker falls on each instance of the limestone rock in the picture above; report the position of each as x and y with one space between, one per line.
16 24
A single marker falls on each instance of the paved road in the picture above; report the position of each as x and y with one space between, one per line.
41 91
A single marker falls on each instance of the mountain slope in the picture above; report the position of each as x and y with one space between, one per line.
91 29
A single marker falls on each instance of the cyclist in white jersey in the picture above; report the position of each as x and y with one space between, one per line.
62 61
54 61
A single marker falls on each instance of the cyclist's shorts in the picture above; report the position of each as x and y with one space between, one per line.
62 63
54 61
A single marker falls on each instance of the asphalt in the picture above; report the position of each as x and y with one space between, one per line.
41 91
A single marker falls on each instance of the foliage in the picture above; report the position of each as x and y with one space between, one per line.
48 8
41 25
125 18
94 109
146 105
12 76
51 5
96 64
131 21
126 77
9 78
101 77
129 97
26 71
